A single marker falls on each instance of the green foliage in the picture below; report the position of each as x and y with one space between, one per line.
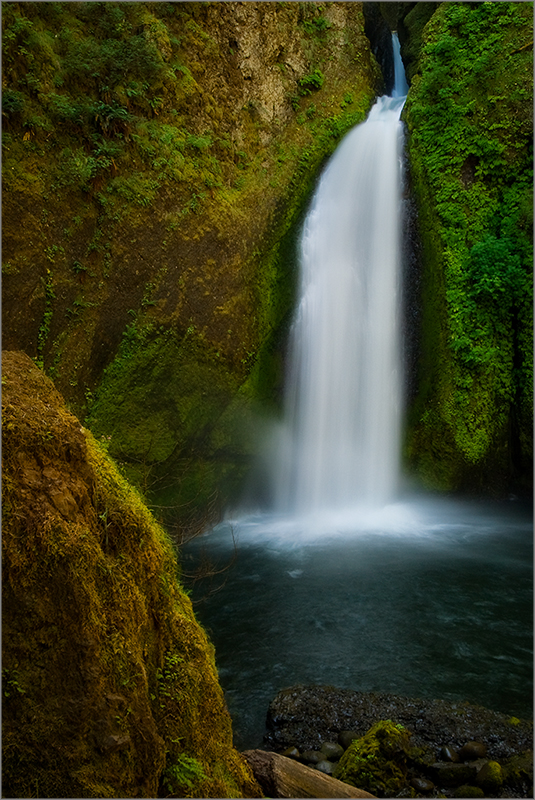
495 271
316 25
183 774
311 82
10 683
167 677
12 102
135 188
471 155
44 329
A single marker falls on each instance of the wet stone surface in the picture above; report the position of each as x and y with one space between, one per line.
306 716
456 749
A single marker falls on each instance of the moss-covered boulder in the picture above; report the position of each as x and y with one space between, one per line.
490 777
110 687
377 761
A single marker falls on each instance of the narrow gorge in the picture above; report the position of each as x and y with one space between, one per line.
261 297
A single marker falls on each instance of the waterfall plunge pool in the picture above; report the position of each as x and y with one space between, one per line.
422 597
428 598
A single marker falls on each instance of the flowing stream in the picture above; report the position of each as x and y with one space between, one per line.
349 580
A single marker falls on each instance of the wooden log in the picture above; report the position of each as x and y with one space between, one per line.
283 777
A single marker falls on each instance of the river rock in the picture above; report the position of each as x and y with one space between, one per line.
490 777
445 774
467 791
448 753
325 766
291 752
306 716
312 756
332 751
472 751
346 737
422 785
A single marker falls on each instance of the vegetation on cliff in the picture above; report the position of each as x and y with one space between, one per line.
109 684
157 157
469 118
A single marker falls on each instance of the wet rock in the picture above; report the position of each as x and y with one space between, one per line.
422 785
306 716
332 751
312 756
467 791
445 774
490 777
377 761
291 752
518 771
448 753
472 751
346 737
325 766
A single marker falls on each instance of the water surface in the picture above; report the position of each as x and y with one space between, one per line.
425 598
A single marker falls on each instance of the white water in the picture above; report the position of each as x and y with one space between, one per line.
339 443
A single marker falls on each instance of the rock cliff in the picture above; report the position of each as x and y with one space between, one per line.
109 683
156 161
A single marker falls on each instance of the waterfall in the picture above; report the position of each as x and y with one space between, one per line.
339 444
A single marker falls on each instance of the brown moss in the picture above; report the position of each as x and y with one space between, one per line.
110 684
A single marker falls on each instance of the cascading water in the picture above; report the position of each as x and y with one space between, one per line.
339 444
421 596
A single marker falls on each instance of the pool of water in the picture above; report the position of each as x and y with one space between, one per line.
425 598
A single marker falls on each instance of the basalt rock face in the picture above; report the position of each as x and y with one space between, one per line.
157 158
109 683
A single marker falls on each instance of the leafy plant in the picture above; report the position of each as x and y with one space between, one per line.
10 683
311 82
183 774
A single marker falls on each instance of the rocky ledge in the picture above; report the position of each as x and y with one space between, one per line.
396 746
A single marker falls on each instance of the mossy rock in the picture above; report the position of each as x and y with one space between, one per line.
467 790
518 770
110 684
178 177
490 777
377 762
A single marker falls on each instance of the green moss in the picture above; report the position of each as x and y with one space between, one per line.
377 761
518 769
468 791
490 777
471 167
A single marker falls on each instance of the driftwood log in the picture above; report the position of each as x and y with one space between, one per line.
283 777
